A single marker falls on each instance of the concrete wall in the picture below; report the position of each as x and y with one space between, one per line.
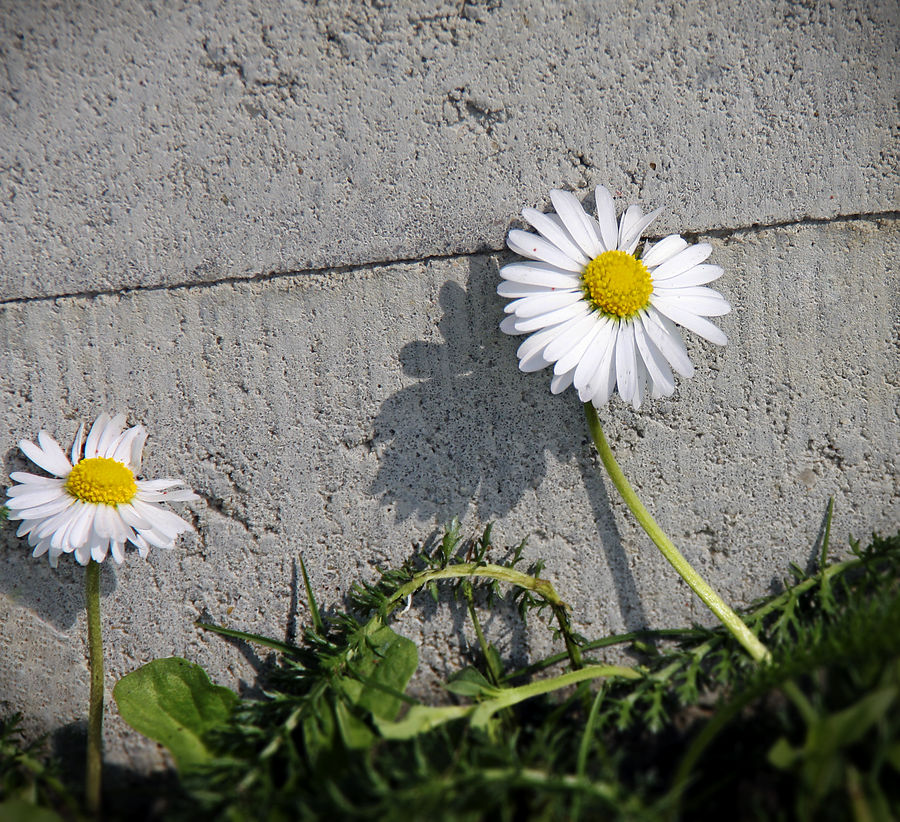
271 233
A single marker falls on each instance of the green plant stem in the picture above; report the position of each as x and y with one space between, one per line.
711 599
490 660
541 587
94 773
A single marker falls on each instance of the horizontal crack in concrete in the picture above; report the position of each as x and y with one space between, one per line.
718 233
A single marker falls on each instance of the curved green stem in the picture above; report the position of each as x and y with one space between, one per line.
541 587
93 778
711 599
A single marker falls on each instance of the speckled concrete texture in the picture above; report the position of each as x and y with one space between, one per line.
345 415
155 143
271 233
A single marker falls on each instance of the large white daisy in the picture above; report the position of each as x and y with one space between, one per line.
94 504
599 310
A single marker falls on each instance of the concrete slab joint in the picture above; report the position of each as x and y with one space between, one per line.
271 233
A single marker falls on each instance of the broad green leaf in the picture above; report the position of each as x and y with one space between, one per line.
472 683
173 702
17 810
381 671
355 733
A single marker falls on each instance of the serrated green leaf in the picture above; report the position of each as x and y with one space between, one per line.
172 702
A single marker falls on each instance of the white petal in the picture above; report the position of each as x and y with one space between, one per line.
158 484
690 321
581 226
142 545
533 362
537 273
57 522
640 386
164 521
661 379
569 360
98 551
563 345
28 488
698 275
544 337
48 509
626 367
668 340
629 243
526 307
106 444
93 437
121 452
33 479
77 444
603 381
55 453
561 382
681 262
592 357
629 219
698 299
118 552
39 457
82 525
606 217
512 290
59 540
556 234
34 498
103 526
578 309
537 248
41 548
156 539
137 449
132 518
82 554
508 326
665 249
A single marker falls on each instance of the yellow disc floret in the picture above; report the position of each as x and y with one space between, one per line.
617 283
101 480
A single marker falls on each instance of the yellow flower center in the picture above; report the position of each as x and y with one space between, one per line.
101 480
617 283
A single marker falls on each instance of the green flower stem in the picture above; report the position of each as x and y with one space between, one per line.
711 599
93 779
541 587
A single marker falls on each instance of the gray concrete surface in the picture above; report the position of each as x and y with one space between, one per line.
160 143
163 254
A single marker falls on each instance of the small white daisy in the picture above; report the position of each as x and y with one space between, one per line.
600 311
94 505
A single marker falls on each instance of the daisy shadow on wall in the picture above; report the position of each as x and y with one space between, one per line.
472 437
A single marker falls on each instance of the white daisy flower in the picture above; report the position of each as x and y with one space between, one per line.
601 312
94 504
